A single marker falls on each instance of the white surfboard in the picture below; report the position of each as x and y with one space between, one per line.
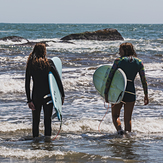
118 84
54 90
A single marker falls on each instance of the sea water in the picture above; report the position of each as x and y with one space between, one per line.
80 139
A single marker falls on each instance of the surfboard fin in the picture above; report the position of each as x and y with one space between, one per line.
46 96
54 115
49 102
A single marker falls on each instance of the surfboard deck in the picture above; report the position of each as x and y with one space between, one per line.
54 90
118 84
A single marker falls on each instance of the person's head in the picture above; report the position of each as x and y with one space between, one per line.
38 56
39 50
127 49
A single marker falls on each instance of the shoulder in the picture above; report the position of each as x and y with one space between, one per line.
139 61
50 62
117 60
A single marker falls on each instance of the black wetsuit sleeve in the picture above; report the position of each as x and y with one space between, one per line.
27 84
57 77
143 78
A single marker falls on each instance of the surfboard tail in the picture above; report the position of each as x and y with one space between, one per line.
57 114
46 96
54 115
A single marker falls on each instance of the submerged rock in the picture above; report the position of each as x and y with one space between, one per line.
20 41
14 39
107 34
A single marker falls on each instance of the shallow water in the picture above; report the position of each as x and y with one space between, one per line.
80 139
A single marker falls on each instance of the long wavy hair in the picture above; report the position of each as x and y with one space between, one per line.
38 57
128 49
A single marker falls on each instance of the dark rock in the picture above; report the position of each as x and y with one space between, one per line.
66 41
108 34
28 43
14 39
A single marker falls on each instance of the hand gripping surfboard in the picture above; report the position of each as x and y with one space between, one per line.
118 84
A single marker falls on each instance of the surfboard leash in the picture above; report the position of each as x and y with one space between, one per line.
58 130
105 114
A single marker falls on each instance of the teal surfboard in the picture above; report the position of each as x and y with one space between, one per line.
118 84
54 90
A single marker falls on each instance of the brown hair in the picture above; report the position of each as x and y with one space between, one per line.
38 57
128 49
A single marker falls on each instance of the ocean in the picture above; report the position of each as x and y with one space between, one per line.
80 139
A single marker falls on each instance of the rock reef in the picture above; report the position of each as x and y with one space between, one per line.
107 34
14 39
25 42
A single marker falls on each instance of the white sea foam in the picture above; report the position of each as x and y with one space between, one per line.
10 42
154 70
44 39
148 125
80 46
12 83
86 125
141 124
12 127
29 154
19 59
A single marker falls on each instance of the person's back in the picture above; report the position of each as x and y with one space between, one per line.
40 83
131 66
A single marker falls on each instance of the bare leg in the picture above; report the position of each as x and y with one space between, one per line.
115 116
128 108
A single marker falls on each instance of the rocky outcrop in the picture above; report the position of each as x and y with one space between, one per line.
14 39
108 34
18 39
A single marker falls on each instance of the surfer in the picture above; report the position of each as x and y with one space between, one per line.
131 65
38 67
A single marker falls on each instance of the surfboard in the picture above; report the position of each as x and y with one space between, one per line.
54 90
118 84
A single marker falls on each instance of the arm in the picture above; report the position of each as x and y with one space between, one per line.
110 77
27 88
27 84
144 84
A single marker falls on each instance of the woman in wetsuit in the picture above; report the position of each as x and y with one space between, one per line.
131 65
38 67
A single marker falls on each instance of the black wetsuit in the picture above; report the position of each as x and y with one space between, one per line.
40 89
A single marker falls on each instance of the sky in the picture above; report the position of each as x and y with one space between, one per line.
82 11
